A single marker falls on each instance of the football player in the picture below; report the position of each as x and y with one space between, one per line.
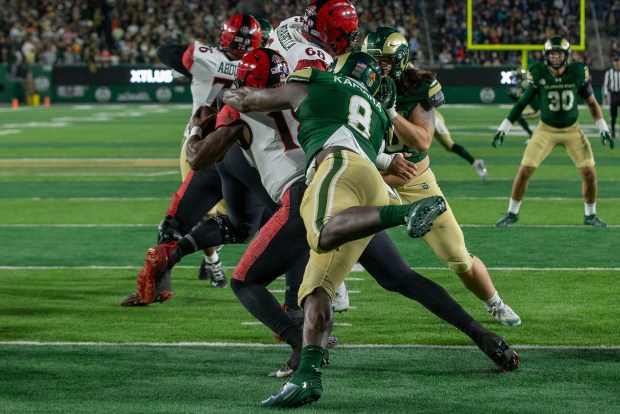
210 69
328 28
418 95
341 133
557 83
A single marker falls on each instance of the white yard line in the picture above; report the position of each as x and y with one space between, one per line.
258 345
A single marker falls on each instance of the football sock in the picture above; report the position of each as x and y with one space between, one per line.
514 206
214 258
392 216
590 209
263 306
208 234
463 153
493 300
311 358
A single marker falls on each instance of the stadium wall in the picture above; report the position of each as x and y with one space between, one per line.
132 83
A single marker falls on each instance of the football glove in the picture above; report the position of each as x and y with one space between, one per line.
498 139
603 130
387 96
503 129
606 137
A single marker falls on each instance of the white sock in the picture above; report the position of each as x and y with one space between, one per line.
589 208
494 300
214 258
514 206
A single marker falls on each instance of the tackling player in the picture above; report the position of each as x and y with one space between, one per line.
419 94
557 83
341 133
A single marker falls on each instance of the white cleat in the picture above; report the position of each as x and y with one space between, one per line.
481 170
505 315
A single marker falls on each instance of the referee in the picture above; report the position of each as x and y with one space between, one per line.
611 91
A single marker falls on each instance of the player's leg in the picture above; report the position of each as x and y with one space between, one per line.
279 248
448 242
384 263
580 151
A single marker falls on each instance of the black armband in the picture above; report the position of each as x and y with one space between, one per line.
172 56
586 90
437 100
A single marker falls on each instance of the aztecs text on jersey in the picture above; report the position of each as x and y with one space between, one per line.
338 104
558 95
296 49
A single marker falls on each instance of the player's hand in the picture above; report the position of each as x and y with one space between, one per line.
387 96
607 138
203 117
498 139
402 168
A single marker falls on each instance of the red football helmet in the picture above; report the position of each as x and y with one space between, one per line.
261 68
241 33
332 24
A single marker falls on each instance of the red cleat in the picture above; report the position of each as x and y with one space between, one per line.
157 261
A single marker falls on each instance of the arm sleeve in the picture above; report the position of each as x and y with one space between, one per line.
523 101
172 56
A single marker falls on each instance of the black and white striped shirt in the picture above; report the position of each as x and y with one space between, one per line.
611 84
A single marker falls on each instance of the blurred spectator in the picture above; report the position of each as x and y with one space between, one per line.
109 32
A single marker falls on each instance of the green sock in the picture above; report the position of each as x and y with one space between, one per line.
392 216
311 358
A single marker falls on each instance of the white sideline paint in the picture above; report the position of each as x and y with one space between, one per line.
258 345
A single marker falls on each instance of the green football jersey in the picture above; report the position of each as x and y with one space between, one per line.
557 95
404 106
335 101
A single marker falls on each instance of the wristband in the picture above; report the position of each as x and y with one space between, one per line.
392 114
602 125
505 126
384 160
196 130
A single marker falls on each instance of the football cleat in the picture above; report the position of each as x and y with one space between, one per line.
213 272
340 302
508 218
422 213
332 342
294 395
496 348
134 299
481 169
594 221
157 260
504 314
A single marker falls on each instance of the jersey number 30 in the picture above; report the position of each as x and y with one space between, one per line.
561 100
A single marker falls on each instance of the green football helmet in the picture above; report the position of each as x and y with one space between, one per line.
266 29
557 44
359 66
388 42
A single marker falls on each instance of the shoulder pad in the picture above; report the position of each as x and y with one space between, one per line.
302 75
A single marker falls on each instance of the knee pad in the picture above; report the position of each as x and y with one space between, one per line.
230 234
168 231
459 265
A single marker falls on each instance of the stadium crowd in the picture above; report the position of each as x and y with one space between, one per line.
109 32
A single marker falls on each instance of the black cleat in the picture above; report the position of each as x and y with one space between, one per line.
422 213
496 348
293 395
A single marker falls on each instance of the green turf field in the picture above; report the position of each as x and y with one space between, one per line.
82 189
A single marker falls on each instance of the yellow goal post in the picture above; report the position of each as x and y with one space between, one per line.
524 48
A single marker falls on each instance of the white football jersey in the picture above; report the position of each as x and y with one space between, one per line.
296 49
211 72
275 151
